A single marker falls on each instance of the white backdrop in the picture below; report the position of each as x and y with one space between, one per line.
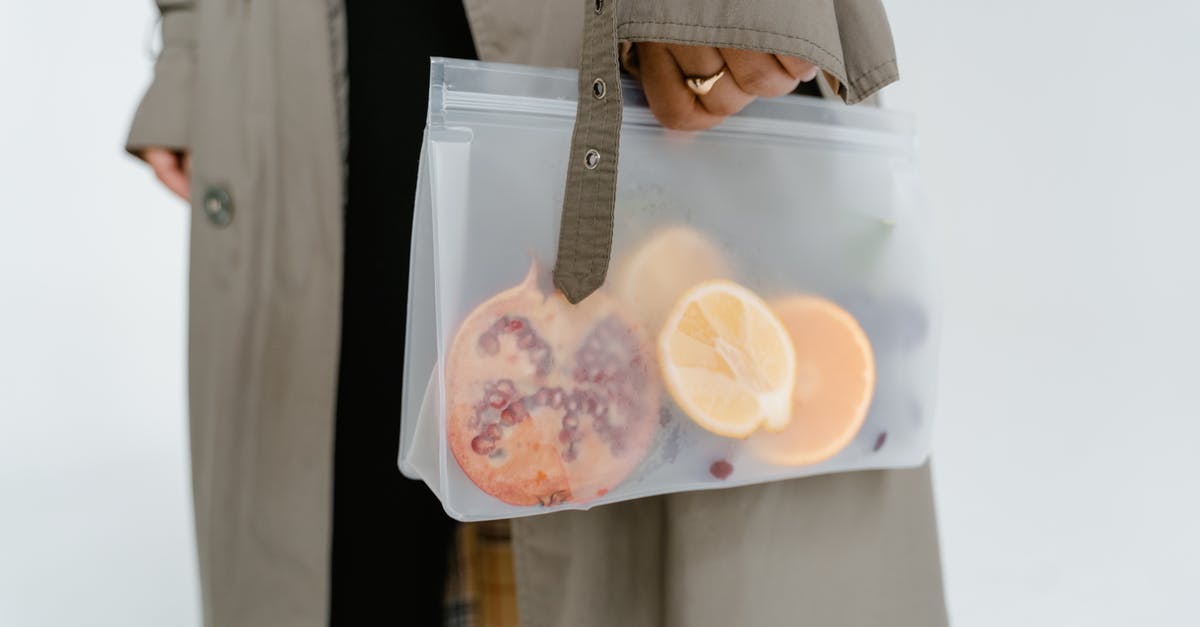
1058 146
95 513
1058 143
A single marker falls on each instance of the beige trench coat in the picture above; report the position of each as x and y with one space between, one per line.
257 92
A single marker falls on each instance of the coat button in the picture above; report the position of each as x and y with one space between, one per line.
217 206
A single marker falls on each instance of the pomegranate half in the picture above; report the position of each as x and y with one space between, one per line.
550 402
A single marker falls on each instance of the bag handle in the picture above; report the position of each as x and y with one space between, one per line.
586 230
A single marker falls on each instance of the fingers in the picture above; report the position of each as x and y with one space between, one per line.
759 73
671 101
172 169
725 98
798 68
665 68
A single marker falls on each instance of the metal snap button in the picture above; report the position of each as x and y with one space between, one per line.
599 88
591 159
217 206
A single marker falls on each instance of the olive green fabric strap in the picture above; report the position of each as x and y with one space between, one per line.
585 234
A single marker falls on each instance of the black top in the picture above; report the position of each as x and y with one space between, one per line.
390 535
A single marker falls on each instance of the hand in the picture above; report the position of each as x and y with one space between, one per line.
173 168
664 69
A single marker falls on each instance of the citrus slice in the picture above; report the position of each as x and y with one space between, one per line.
727 360
651 278
835 380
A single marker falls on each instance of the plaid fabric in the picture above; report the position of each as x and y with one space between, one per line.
481 589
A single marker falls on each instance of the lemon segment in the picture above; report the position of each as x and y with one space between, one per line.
728 361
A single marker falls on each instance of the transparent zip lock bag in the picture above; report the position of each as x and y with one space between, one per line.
769 311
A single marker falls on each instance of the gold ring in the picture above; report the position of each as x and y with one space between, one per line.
701 85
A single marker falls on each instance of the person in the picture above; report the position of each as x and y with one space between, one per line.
293 129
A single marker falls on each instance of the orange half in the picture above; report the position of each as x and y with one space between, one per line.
835 381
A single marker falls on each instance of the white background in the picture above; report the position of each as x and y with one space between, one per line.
1059 143
95 511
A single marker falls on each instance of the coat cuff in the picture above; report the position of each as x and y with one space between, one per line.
850 40
164 116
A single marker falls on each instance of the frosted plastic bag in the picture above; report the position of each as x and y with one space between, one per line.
516 403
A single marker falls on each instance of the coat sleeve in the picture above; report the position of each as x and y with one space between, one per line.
850 40
163 117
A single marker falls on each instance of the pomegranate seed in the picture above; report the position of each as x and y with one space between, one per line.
526 340
555 498
506 387
514 325
489 344
570 421
564 436
575 402
581 375
491 432
542 397
557 398
482 445
514 413
880 440
721 469
497 400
